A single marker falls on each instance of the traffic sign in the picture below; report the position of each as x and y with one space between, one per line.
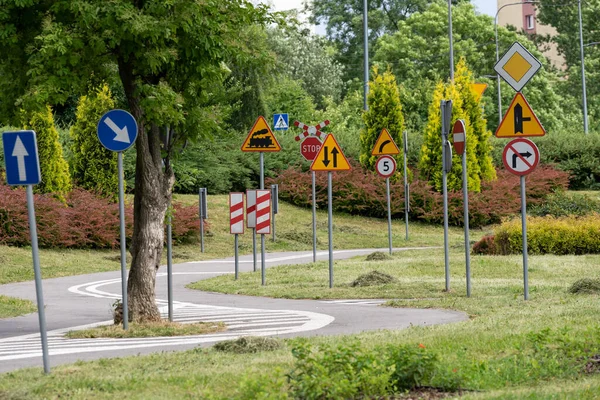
310 147
330 157
236 213
117 130
251 208
386 166
459 133
479 89
520 156
263 212
261 138
517 66
385 145
519 120
281 122
310 130
21 158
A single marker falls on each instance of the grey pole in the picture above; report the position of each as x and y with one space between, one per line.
524 229
273 209
202 206
123 244
389 210
39 294
466 219
330 227
451 42
254 247
445 195
170 267
201 235
406 188
498 75
583 87
237 260
314 215
366 53
262 236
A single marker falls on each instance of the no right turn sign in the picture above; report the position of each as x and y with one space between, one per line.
520 156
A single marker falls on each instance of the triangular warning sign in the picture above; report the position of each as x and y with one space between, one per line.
479 88
519 120
330 157
385 145
261 138
281 124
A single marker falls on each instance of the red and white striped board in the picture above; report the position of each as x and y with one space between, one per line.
251 208
310 130
263 212
236 213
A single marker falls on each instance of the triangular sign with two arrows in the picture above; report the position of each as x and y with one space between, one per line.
330 157
385 145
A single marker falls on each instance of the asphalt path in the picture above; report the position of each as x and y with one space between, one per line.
86 300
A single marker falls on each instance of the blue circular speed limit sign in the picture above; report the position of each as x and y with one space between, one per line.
386 166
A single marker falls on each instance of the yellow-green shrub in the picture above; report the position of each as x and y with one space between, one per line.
550 235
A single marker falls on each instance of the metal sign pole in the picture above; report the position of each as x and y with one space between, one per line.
466 221
262 236
38 277
202 213
445 129
406 188
170 267
274 205
314 215
389 211
524 229
123 243
237 260
330 227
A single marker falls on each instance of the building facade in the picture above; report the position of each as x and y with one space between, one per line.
523 17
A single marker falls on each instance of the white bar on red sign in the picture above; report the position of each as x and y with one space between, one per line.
251 208
236 213
263 212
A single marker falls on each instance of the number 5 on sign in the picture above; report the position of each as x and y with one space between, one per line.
386 166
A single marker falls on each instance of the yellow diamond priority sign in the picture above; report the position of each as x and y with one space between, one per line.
330 157
517 66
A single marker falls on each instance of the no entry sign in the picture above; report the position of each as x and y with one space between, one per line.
520 156
459 135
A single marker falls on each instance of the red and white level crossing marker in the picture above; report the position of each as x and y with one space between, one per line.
251 208
263 212
310 130
520 156
236 213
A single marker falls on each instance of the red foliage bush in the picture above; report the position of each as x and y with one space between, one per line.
486 246
363 192
85 221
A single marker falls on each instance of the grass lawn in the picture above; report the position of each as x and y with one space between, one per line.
149 329
11 307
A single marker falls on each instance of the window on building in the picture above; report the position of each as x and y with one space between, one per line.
530 21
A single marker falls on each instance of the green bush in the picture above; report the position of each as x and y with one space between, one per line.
93 166
550 235
54 168
561 204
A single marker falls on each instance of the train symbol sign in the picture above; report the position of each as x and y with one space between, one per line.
310 147
520 156
261 138
520 120
385 145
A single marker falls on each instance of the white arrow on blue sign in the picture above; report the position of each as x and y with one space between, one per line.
117 130
281 122
21 158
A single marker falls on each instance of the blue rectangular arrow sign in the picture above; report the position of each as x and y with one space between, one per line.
21 158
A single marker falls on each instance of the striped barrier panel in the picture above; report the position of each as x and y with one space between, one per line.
236 213
263 212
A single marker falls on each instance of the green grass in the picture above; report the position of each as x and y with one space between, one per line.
11 307
149 329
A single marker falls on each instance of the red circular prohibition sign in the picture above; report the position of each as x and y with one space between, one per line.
520 156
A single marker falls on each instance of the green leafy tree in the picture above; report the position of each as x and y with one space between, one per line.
53 167
93 166
168 55
385 111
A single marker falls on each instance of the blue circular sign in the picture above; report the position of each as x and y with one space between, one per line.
117 130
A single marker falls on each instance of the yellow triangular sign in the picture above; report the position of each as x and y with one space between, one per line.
261 138
479 88
519 120
385 145
330 157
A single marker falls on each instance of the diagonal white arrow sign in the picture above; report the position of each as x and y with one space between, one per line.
20 152
122 134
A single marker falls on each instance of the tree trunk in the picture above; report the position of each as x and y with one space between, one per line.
153 190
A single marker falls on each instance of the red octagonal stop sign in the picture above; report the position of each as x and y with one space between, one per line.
310 147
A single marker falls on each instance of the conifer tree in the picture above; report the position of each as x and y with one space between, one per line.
385 111
94 167
53 166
